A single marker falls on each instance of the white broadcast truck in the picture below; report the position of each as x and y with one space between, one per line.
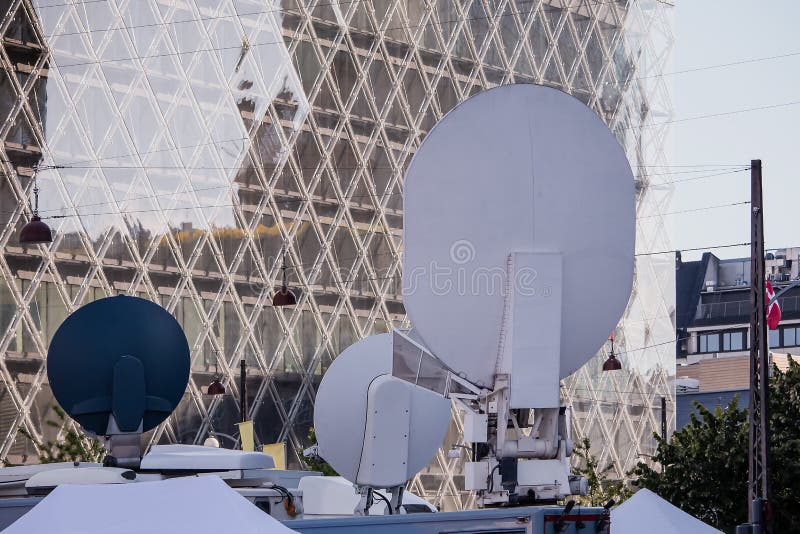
506 201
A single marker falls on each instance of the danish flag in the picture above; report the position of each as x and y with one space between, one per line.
773 310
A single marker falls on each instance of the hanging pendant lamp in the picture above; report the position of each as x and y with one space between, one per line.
284 296
35 231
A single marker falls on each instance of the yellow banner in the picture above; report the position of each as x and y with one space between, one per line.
246 433
278 453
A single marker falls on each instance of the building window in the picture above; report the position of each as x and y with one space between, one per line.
791 337
774 338
733 341
730 341
708 342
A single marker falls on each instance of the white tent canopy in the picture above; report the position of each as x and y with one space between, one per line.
191 504
647 512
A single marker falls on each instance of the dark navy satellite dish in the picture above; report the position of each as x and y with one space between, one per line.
120 356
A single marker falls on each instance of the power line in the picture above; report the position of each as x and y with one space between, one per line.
694 165
723 65
693 178
64 4
199 19
282 10
686 171
267 43
306 167
721 114
378 196
625 391
693 249
146 152
381 196
193 207
742 203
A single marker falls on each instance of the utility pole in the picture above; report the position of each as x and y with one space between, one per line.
663 418
758 478
243 389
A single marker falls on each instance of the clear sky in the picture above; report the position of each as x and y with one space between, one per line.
711 32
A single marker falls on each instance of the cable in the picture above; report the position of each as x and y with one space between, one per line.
722 65
490 478
742 203
279 10
229 16
655 165
379 196
722 114
289 499
201 19
247 14
630 392
64 4
618 403
347 200
694 171
290 201
384 499
156 151
693 178
267 43
306 168
693 249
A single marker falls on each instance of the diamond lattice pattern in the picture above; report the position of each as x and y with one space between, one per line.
199 140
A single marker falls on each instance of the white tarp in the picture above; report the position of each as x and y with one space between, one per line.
191 504
647 512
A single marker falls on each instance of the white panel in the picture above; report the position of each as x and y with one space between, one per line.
536 323
542 473
475 427
340 408
515 168
328 496
373 428
197 457
384 456
430 419
476 475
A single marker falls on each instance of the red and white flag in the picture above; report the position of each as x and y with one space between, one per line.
773 310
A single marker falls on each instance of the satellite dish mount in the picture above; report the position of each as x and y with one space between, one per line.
496 284
119 367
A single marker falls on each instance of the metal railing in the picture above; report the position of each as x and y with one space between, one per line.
741 308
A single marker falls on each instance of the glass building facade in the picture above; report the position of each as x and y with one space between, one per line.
187 148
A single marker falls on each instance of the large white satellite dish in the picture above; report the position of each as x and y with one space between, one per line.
519 240
374 429
528 175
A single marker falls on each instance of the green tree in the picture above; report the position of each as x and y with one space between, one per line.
602 488
702 468
72 447
315 463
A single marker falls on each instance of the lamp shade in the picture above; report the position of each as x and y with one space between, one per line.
215 388
612 364
284 297
35 232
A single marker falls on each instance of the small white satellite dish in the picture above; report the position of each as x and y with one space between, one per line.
374 429
519 189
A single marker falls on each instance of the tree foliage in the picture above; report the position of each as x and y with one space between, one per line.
601 488
703 468
315 463
72 447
